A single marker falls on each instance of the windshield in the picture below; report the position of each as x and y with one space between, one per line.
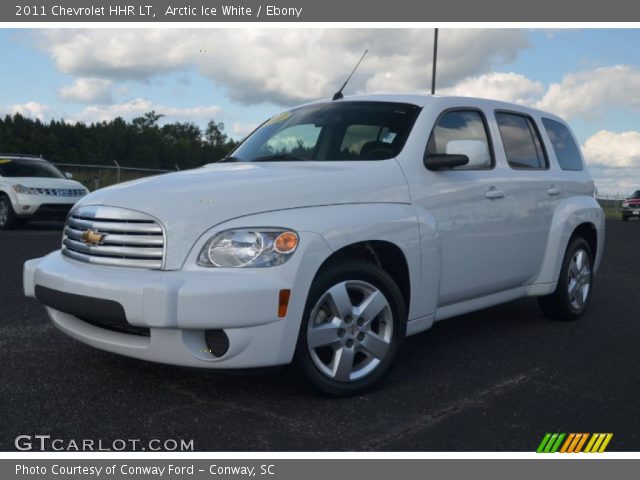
635 195
22 167
331 131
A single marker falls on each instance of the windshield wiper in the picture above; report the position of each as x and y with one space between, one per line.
229 159
281 157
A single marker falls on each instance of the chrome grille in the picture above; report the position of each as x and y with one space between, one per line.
61 192
116 237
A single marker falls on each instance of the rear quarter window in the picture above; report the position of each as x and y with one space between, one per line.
564 146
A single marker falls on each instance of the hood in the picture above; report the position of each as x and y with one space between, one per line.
37 182
191 202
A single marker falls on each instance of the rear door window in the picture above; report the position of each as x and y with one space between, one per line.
521 140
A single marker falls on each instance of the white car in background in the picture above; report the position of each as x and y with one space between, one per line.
33 189
329 234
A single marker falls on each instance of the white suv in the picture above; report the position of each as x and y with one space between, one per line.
328 235
33 189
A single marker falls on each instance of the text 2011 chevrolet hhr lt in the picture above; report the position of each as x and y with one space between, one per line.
328 235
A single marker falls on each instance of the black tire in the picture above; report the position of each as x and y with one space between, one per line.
559 305
8 218
352 275
625 218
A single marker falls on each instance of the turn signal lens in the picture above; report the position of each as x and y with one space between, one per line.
286 242
283 303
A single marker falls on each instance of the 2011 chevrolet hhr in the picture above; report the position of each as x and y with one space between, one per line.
328 235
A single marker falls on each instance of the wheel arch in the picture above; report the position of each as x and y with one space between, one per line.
385 254
576 216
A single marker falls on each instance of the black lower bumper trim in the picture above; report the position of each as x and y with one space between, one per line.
99 312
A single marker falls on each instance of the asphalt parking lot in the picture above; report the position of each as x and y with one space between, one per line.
490 381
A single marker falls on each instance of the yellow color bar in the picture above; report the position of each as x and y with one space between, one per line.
591 442
607 439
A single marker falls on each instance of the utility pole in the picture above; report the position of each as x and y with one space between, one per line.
435 59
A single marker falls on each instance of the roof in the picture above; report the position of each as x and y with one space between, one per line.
445 101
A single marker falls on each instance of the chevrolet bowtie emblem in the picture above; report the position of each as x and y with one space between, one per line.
91 237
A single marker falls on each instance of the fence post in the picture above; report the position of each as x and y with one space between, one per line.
117 171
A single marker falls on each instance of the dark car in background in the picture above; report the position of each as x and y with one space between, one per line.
631 206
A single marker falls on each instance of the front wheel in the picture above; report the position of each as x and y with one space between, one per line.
353 325
7 215
572 294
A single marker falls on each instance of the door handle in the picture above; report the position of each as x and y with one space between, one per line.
493 193
553 191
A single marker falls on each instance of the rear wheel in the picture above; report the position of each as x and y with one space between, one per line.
572 294
7 215
352 328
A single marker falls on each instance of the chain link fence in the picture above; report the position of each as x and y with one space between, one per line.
611 204
98 176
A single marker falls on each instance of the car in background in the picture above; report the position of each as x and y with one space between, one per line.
31 188
631 206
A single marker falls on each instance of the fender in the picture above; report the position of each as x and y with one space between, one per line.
341 225
569 214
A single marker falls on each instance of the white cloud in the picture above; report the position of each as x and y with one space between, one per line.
242 129
610 149
29 109
87 90
284 66
510 87
614 160
588 94
139 106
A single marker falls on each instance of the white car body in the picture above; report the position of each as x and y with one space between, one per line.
464 246
48 198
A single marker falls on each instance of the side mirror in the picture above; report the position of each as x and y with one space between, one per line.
476 150
444 161
68 175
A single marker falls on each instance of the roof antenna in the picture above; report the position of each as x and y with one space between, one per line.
338 95
435 59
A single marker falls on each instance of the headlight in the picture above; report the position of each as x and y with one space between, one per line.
247 247
625 204
24 190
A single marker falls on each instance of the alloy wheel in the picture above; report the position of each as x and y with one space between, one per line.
350 330
579 279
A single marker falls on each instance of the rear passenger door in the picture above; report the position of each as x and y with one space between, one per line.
535 194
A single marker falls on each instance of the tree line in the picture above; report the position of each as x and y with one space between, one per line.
141 142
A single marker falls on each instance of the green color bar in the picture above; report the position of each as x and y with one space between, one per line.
543 443
550 443
556 446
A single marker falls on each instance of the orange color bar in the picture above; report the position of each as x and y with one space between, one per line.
581 442
576 439
567 442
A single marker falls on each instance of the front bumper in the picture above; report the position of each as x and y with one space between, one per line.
178 307
42 207
631 211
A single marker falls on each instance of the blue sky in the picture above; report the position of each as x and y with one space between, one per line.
591 77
